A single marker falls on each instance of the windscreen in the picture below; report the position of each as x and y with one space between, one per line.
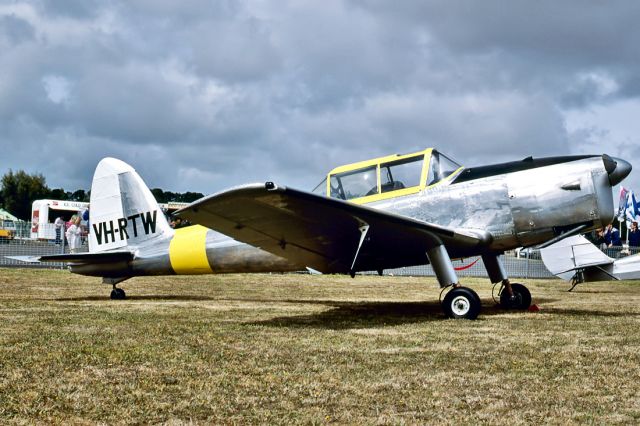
354 184
440 167
321 188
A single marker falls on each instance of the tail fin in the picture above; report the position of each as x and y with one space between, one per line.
566 256
123 210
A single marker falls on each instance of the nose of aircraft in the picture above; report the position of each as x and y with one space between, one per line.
616 168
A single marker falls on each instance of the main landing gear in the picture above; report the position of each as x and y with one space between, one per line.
512 296
463 302
459 302
519 298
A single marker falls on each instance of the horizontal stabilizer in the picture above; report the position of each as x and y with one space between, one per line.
102 257
25 259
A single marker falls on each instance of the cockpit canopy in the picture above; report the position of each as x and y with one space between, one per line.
388 177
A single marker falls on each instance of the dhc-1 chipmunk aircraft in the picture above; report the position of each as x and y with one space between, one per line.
388 212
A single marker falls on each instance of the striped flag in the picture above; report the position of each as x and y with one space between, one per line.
622 203
632 208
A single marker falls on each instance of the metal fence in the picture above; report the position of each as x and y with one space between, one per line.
22 245
518 264
525 263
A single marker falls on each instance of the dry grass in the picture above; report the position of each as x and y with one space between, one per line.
311 349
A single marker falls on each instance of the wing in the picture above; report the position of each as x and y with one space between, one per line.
102 257
325 234
570 254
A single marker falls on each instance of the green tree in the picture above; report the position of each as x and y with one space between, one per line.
20 189
159 195
58 194
190 197
80 195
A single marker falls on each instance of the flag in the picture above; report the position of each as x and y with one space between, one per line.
632 208
622 203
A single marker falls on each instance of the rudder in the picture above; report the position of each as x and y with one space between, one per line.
123 209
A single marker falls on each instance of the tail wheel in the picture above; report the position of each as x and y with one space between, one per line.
118 294
461 302
521 298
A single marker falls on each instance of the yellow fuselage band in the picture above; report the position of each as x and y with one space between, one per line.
188 251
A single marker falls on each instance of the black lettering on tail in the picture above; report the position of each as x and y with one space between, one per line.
149 222
109 231
122 225
133 220
97 231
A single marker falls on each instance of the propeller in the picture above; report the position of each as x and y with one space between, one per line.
616 168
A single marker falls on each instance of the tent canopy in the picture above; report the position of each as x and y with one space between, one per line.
5 215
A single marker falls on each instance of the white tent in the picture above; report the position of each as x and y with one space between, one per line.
5 215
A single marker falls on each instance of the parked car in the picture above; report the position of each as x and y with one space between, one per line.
7 231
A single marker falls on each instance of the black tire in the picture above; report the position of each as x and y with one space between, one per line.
118 294
475 294
521 299
461 303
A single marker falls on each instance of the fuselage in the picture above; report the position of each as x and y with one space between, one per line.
517 204
190 251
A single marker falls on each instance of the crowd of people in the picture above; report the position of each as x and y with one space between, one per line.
74 230
609 237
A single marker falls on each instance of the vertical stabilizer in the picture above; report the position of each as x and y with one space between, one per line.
123 210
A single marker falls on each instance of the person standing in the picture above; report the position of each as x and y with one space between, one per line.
85 217
59 223
634 235
74 234
612 236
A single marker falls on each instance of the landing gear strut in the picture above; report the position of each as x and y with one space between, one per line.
512 296
460 302
578 278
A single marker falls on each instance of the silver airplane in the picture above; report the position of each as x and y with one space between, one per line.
387 212
576 259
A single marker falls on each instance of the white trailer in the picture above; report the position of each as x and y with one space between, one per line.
45 212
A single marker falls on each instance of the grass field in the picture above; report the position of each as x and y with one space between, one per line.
311 349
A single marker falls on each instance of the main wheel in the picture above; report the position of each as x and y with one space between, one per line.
521 298
461 302
118 294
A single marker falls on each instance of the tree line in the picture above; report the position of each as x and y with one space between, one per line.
19 190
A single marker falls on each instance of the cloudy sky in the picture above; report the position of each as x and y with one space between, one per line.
202 95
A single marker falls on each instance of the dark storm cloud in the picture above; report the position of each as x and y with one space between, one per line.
14 31
546 43
202 95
